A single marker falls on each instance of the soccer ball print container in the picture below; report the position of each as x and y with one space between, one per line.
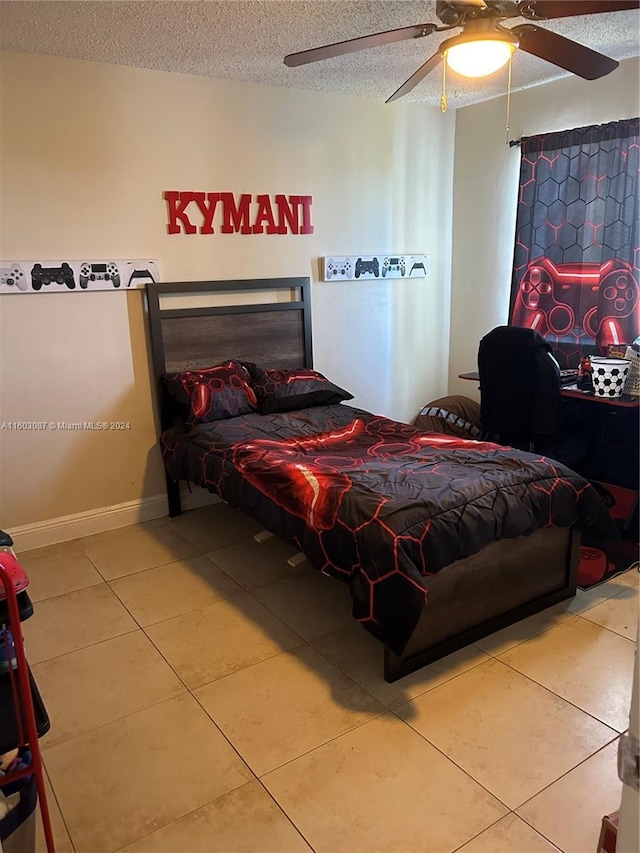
609 375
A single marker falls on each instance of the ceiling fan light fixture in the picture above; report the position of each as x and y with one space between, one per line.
481 48
479 58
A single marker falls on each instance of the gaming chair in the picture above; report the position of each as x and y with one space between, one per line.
520 398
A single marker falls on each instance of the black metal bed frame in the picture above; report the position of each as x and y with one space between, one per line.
171 336
518 577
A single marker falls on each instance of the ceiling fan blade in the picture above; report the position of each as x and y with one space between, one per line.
545 9
419 75
564 52
328 51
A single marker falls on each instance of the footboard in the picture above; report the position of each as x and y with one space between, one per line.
502 584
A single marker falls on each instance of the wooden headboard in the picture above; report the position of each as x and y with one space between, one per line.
203 323
198 324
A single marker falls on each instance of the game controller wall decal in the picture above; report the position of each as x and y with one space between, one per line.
380 265
590 301
13 276
77 276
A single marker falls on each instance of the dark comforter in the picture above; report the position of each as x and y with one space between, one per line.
378 503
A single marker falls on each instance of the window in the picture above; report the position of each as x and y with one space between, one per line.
577 248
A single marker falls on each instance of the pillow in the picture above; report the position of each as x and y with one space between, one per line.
453 415
211 393
286 390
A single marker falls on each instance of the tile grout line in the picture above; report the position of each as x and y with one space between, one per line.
82 648
606 627
288 761
59 806
219 600
180 817
515 645
604 746
535 829
455 763
387 710
52 746
367 690
563 698
288 817
478 834
571 770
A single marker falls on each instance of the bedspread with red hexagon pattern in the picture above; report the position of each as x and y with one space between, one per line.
377 503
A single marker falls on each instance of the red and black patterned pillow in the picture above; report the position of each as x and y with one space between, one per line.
211 393
286 390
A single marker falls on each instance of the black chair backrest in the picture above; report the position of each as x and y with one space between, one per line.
519 384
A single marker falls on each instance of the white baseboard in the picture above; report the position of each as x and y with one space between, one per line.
66 527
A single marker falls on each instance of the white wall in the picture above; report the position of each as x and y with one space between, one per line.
87 150
486 193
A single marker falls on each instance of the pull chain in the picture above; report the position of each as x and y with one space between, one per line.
443 97
508 102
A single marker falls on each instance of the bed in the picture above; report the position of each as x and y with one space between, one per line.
440 540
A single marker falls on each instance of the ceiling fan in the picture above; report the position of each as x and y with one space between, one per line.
485 45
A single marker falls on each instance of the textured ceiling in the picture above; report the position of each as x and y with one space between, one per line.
247 40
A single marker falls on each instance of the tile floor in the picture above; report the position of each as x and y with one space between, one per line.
205 696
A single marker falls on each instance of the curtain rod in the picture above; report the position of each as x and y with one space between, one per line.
580 130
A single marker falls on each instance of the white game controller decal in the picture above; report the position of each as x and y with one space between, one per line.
372 266
14 276
396 264
148 273
338 266
99 272
56 276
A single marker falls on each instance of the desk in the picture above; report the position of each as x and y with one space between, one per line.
626 401
614 445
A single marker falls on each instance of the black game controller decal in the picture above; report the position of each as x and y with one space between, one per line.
373 266
56 276
52 275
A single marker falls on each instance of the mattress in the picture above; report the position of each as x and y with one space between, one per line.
377 503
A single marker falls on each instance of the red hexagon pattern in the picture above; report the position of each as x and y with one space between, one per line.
377 503
577 254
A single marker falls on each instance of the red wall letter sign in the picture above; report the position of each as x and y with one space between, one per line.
236 218
294 213
287 213
208 208
177 202
264 214
307 227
